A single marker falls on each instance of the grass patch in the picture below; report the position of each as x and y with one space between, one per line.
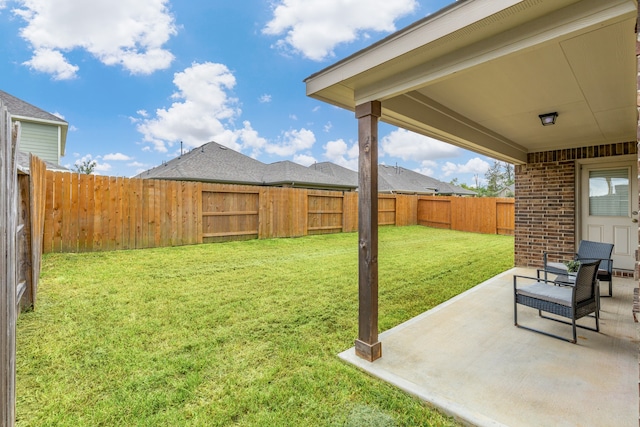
239 333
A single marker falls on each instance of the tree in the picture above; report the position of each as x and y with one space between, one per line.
86 167
499 176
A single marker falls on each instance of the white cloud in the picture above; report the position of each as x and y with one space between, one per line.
264 99
427 167
116 32
408 145
205 111
250 139
314 28
203 106
136 165
117 156
304 159
102 167
475 166
339 153
327 127
292 142
52 62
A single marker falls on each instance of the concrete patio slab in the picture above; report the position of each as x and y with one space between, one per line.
468 359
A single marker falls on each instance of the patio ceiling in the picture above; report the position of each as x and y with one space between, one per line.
478 73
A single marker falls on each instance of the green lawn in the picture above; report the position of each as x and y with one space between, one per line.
240 333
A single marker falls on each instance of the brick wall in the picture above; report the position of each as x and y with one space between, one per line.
545 203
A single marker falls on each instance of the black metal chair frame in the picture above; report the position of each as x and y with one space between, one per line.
587 251
574 310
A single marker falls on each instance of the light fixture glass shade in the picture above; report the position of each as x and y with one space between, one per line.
548 119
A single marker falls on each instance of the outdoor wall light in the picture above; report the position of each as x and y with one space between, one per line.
548 119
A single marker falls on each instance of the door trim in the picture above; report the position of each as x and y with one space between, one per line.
605 163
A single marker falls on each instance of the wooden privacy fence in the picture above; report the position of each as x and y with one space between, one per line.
486 215
96 213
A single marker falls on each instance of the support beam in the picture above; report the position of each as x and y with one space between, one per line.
367 345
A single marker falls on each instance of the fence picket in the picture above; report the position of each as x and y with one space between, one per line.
95 213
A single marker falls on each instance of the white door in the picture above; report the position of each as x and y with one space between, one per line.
610 208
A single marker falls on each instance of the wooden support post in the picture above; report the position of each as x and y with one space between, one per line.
367 345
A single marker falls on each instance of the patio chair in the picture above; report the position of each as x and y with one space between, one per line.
588 251
572 302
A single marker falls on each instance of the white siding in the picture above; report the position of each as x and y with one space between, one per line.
41 140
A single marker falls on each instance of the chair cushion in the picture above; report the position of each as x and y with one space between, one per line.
540 290
556 268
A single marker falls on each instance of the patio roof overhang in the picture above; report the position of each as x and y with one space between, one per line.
478 73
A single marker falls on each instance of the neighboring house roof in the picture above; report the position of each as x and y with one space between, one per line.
214 162
396 179
345 175
210 162
508 191
289 173
23 111
24 164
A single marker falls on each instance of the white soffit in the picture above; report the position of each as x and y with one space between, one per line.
482 85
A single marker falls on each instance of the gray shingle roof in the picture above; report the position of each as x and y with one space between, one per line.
459 191
210 162
18 107
287 172
341 173
397 179
216 163
24 163
213 162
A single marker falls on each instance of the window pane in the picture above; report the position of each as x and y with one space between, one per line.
609 192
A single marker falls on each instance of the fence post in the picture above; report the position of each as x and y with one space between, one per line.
8 268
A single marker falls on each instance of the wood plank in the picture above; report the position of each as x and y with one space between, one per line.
114 213
237 233
98 200
8 277
230 213
83 200
147 212
181 212
38 196
25 298
157 212
137 214
57 212
198 191
125 203
350 216
164 218
327 227
47 238
91 211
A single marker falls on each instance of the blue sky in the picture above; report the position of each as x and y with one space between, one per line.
135 78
